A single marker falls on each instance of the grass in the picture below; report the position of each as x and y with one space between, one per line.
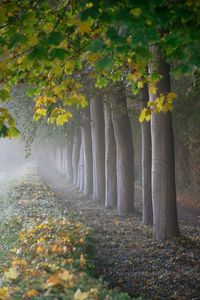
45 254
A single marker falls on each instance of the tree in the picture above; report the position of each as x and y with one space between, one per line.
88 162
98 147
124 147
146 164
76 154
165 224
110 159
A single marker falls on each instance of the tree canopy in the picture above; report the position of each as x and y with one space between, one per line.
51 46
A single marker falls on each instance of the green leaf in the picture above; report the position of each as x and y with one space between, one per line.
15 39
54 38
96 46
32 91
101 82
58 53
37 53
105 64
4 95
13 132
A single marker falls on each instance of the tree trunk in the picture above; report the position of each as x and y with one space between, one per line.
146 165
98 147
81 164
110 160
69 148
88 166
76 154
165 223
125 153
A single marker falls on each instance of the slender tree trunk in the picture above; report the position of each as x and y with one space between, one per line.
165 223
88 165
76 154
110 160
69 149
125 153
81 164
146 165
98 147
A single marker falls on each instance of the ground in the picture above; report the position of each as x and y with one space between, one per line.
125 254
123 250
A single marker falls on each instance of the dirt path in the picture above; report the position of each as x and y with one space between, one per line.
125 254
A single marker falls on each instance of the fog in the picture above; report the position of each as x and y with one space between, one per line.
13 166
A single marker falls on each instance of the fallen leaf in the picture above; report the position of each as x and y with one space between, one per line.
11 273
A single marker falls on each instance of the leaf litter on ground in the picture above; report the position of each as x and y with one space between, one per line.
125 254
46 254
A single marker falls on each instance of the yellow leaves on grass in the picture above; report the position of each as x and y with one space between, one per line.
11 273
32 293
4 293
163 103
64 278
91 294
82 261
81 295
40 250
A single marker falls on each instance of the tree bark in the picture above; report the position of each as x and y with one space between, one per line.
146 165
76 154
110 160
81 164
165 223
98 147
88 164
69 148
125 153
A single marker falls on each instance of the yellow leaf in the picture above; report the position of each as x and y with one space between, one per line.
84 27
69 67
82 261
81 295
62 119
93 57
142 115
152 89
32 293
39 250
4 293
140 84
11 273
65 275
81 241
171 96
52 281
145 115
41 111
136 12
167 107
159 104
150 103
134 76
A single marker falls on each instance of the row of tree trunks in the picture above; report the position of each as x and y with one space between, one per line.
102 159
